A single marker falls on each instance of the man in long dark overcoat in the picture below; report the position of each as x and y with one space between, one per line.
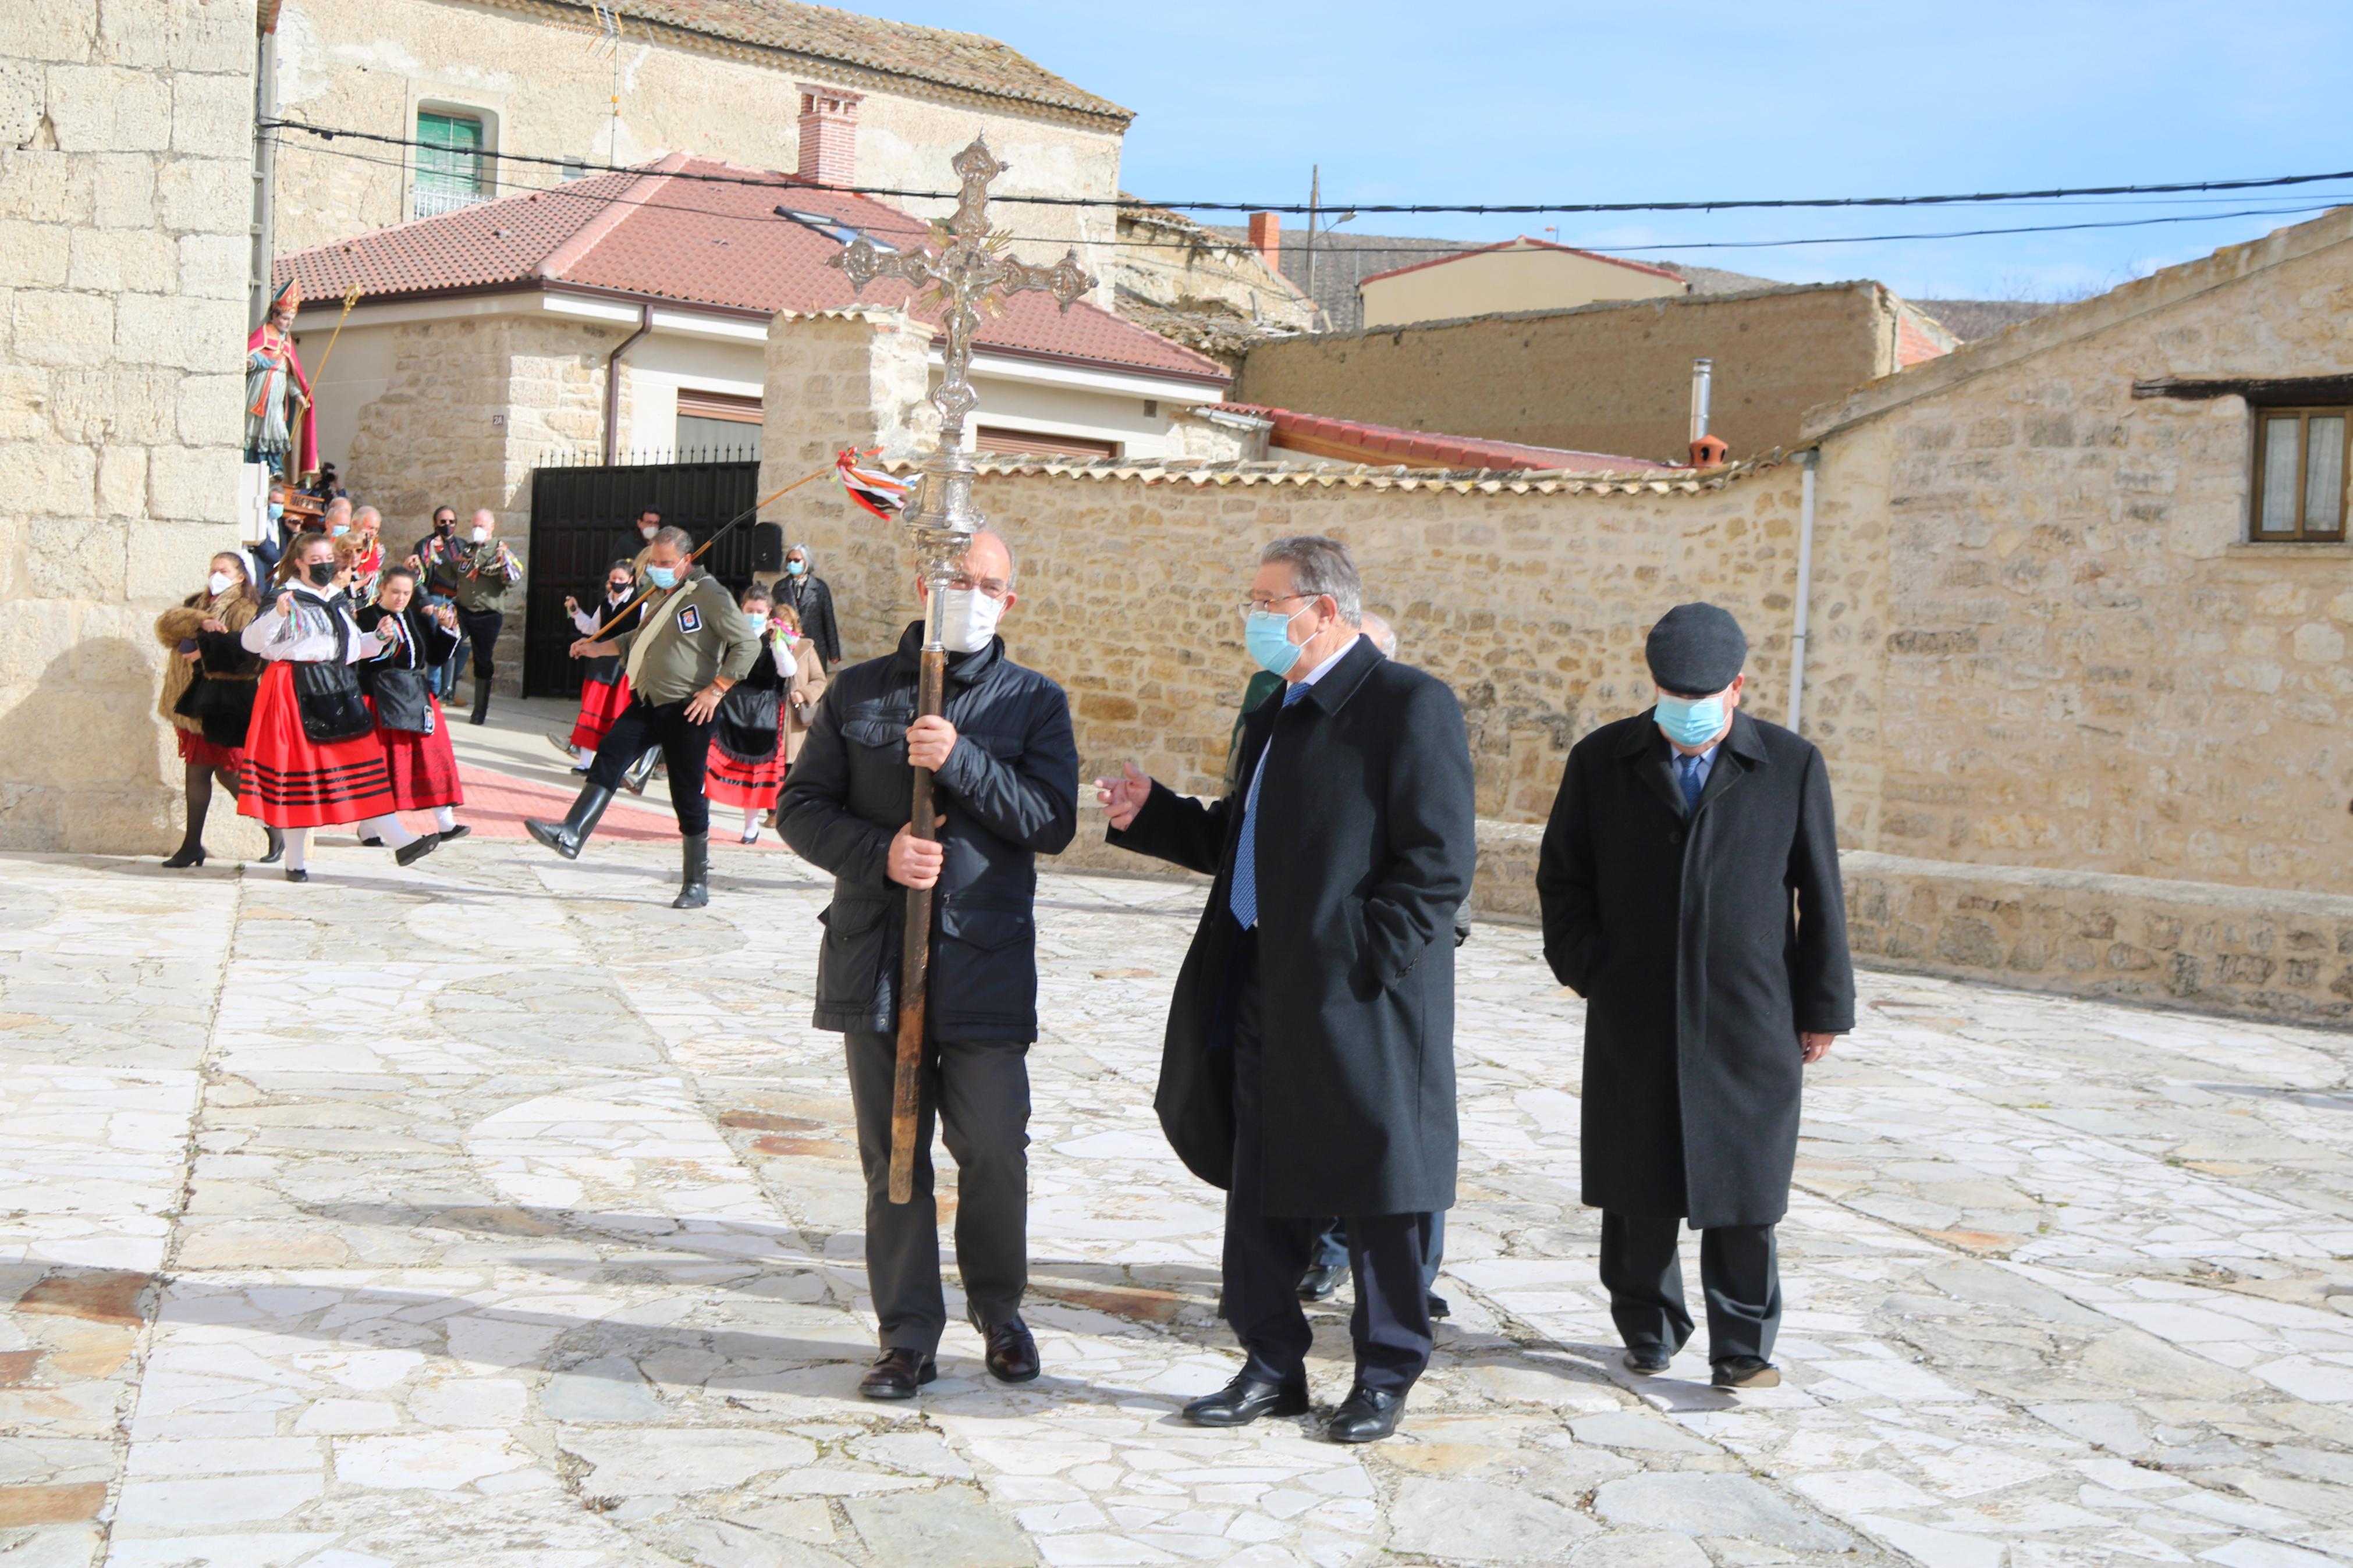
1689 881
1325 1087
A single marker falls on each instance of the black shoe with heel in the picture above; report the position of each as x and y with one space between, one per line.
188 853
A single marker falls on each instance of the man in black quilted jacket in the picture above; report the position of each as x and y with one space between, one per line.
1006 788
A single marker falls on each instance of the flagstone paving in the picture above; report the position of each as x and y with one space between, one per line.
493 1213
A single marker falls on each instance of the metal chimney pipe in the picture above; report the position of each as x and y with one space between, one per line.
1703 373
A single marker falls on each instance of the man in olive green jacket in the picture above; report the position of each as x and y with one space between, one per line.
477 572
689 646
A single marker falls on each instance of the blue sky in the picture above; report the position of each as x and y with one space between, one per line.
1494 100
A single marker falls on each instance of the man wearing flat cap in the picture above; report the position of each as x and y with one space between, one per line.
1689 882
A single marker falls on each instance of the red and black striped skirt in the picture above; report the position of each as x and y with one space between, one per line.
601 702
424 769
731 780
289 780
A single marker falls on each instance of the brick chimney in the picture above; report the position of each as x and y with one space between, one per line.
1266 238
828 134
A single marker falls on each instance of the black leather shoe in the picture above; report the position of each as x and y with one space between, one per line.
1244 1400
1439 1307
1012 1353
457 831
1648 1359
277 846
295 874
897 1373
188 853
1745 1372
410 854
1321 1283
1367 1415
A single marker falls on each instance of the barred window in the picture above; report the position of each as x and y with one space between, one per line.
2300 473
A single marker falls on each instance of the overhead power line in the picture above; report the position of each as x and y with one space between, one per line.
1725 205
570 191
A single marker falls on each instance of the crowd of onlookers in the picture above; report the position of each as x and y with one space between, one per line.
372 637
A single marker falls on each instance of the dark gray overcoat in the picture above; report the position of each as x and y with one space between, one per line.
1366 843
1702 944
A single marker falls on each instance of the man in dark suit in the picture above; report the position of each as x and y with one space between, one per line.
1341 856
1689 881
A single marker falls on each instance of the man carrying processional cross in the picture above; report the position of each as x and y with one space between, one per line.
928 967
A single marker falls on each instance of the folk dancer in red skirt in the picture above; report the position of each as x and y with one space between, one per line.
208 685
409 720
746 762
604 688
312 758
801 671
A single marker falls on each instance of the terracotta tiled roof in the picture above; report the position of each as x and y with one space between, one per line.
651 234
824 35
1353 440
1202 471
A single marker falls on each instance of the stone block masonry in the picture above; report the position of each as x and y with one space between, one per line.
124 148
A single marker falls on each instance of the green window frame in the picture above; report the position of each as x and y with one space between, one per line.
2301 470
452 169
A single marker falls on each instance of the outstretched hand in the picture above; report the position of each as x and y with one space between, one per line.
1123 797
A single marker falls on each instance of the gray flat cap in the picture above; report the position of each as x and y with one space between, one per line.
1695 649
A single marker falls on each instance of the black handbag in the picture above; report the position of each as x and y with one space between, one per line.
327 694
745 724
403 700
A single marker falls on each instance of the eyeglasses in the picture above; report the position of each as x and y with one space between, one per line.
988 587
1254 606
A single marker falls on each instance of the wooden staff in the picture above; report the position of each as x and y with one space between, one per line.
915 967
351 298
696 554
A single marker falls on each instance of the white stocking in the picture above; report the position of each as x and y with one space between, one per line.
445 818
298 840
587 758
388 829
751 821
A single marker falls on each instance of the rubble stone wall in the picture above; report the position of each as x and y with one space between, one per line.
1612 377
125 147
2087 666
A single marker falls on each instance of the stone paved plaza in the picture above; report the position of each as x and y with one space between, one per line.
493 1213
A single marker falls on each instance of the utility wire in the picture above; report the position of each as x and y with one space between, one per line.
569 190
779 183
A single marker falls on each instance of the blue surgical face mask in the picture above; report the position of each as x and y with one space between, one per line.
1267 636
1691 720
663 576
797 568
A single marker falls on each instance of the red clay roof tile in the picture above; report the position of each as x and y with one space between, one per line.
649 234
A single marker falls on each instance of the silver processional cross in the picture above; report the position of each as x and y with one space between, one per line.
968 274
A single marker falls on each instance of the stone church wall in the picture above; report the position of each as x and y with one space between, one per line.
125 139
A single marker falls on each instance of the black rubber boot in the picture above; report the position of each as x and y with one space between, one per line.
481 700
634 781
568 837
694 888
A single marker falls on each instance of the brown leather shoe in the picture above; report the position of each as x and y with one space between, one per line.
1012 1354
897 1373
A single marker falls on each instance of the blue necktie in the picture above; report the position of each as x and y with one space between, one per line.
1687 775
1243 899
